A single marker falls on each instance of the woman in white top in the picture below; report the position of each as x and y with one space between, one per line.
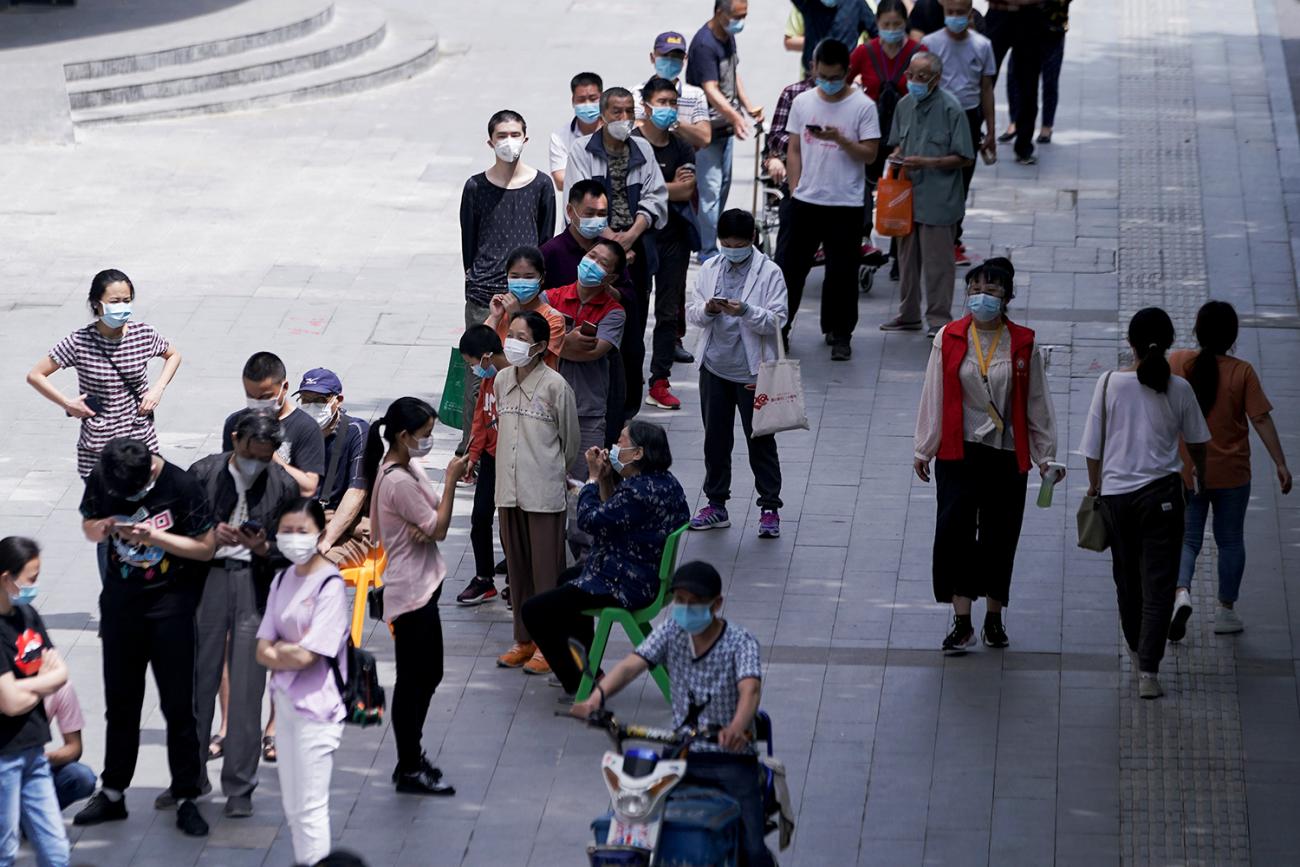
1131 441
987 416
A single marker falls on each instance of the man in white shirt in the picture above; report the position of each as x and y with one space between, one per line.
584 93
669 58
834 133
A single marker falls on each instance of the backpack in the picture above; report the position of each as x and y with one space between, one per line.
363 697
889 95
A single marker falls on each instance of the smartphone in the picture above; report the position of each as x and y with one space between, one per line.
587 329
814 127
250 527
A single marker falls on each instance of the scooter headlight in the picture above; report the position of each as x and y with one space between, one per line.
634 805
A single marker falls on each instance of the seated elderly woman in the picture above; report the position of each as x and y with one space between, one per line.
629 505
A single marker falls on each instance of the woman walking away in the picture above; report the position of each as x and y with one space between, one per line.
409 520
1131 442
301 639
987 415
1229 393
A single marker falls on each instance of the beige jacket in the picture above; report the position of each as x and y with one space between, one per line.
537 439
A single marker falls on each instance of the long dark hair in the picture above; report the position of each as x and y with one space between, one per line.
1216 331
1151 333
404 414
16 552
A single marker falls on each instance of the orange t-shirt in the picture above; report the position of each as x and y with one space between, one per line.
555 320
1239 399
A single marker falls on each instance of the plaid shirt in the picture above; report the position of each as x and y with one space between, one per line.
778 138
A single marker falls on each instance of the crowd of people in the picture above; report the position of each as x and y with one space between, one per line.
215 575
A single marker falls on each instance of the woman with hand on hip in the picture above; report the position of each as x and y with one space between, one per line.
987 416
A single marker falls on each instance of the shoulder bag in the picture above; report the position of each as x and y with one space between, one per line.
1092 530
135 392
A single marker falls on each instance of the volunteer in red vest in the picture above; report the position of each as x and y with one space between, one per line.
986 414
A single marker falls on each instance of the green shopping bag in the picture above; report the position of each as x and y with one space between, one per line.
451 411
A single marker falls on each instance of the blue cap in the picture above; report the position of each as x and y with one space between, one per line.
668 42
321 381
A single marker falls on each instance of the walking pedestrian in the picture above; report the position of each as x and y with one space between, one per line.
1228 392
714 69
845 21
933 142
159 523
739 305
691 124
1057 13
481 350
409 519
1131 442
31 670
537 440
987 415
302 639
1020 26
584 94
834 135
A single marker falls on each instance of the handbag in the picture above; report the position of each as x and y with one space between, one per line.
451 409
1092 529
778 396
894 202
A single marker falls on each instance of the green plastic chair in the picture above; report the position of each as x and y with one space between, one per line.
635 623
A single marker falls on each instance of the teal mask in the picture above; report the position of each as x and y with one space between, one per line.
669 67
694 619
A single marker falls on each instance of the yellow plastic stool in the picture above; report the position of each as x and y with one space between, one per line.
368 574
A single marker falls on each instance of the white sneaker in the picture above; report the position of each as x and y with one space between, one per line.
1149 686
1182 613
1227 622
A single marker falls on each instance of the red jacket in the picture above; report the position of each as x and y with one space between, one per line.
483 429
956 337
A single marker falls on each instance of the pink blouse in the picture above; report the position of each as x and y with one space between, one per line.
404 501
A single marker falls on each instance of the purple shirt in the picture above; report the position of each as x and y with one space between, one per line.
310 611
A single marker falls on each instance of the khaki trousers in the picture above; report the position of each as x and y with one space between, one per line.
925 259
535 557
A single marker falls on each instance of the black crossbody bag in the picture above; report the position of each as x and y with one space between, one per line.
135 392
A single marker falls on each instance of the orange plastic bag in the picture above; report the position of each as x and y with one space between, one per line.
894 202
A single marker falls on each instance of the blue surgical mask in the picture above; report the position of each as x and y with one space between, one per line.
917 90
830 88
694 619
26 595
669 67
984 307
590 273
831 3
524 289
956 23
735 255
663 116
484 372
116 315
587 112
893 37
735 25
614 461
591 227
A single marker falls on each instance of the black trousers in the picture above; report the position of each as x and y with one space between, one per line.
1146 543
670 296
977 530
615 412
632 347
133 641
1053 57
720 399
480 521
417 651
975 119
838 231
737 775
553 617
1024 32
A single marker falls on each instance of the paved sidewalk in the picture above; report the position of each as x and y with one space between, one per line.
328 232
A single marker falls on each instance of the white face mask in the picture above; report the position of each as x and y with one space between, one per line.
296 547
321 413
422 447
508 149
270 403
250 468
517 352
620 130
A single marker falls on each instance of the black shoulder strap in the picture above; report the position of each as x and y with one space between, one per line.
334 660
880 70
336 455
94 338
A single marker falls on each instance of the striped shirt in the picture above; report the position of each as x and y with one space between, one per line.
89 352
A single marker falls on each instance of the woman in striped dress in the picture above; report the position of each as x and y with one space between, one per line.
111 356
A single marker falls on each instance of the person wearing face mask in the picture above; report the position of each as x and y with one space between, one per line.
161 529
845 21
301 639
931 138
739 305
525 280
986 414
248 493
343 491
508 206
409 519
691 123
706 656
31 670
537 438
584 94
834 135
266 389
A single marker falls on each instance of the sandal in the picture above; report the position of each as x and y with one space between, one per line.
268 750
215 749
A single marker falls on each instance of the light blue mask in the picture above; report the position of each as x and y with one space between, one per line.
917 90
142 493
669 67
984 307
956 23
735 255
735 25
591 227
614 451
893 37
694 619
831 3
590 273
587 112
116 315
484 372
26 595
830 88
663 116
524 290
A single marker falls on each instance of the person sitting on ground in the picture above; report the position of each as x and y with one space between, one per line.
629 506
73 781
713 660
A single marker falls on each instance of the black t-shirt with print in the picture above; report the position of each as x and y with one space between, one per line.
23 642
146 576
303 447
670 157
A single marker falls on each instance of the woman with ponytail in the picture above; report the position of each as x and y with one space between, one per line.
409 519
1131 442
1229 393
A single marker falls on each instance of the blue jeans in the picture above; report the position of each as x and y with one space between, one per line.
27 799
73 782
1229 535
713 176
737 775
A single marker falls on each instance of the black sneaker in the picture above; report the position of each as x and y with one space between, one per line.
477 591
101 808
425 766
190 821
505 596
960 639
681 355
500 567
841 351
422 782
994 634
167 801
893 270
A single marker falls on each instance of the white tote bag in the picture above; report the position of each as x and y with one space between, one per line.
778 396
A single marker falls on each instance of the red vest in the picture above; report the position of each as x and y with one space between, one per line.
565 299
955 340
